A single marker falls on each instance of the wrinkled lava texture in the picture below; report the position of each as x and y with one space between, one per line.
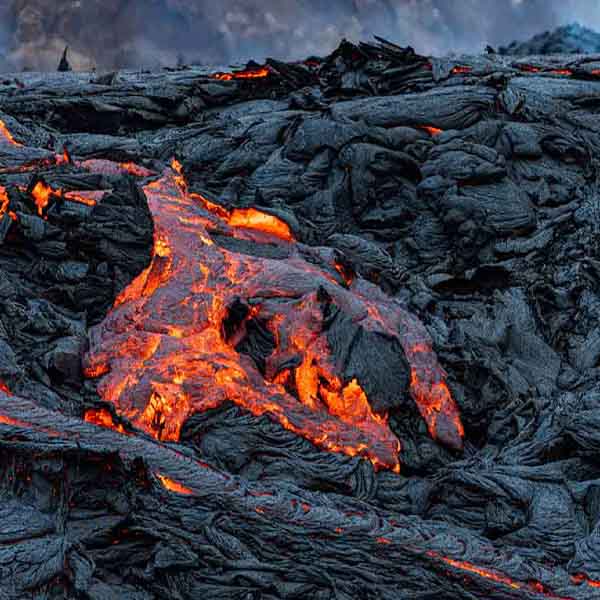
313 330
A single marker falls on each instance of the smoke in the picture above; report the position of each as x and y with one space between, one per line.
136 33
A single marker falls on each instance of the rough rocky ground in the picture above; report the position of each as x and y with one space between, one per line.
467 189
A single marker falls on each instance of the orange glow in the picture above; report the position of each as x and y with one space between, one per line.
595 71
97 371
534 586
561 72
7 135
529 68
245 74
242 218
346 273
433 131
41 195
4 388
107 167
5 420
162 353
102 418
174 486
482 572
461 70
582 578
135 170
64 158
4 201
384 541
88 198
250 218
179 179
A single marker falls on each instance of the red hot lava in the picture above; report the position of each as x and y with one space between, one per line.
163 354
102 418
174 486
7 135
245 74
432 131
461 70
4 388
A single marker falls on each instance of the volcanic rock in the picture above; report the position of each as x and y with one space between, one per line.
568 39
321 330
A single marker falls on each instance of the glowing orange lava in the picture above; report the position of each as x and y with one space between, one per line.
582 578
244 218
135 170
7 135
41 195
461 70
561 72
245 74
250 218
4 201
102 418
174 486
529 68
4 388
64 158
163 352
534 586
4 420
107 167
433 131
89 198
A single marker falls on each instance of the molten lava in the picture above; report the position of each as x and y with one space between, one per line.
7 135
4 388
432 131
107 167
89 198
461 70
245 74
533 586
163 352
174 486
41 193
4 201
529 68
102 418
582 578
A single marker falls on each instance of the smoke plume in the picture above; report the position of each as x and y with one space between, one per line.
108 34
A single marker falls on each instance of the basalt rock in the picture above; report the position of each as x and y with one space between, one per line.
323 330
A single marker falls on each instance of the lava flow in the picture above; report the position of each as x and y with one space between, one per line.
102 418
7 135
461 70
174 486
533 586
167 349
245 74
432 131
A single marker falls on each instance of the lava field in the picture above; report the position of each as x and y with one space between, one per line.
316 330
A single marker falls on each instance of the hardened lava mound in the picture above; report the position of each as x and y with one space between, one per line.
325 329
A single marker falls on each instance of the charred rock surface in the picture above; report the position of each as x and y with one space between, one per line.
320 274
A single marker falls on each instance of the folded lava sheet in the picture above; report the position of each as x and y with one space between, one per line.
324 329
170 346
